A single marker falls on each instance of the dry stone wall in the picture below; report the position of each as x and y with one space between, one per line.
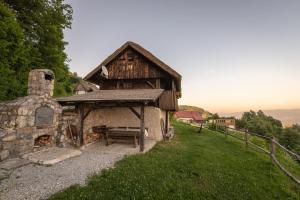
18 128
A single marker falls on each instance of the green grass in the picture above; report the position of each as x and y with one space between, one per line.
286 160
191 166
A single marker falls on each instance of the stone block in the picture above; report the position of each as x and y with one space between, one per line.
21 121
30 121
4 154
25 130
52 155
8 145
9 138
2 133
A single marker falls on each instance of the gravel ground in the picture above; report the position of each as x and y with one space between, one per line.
39 182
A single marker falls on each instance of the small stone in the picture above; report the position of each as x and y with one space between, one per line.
9 138
4 154
2 133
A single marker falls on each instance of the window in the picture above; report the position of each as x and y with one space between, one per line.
49 77
130 66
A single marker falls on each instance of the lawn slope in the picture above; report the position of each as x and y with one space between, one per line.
191 166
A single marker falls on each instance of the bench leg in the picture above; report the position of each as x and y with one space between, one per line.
106 139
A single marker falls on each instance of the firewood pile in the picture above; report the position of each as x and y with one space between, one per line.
91 137
42 141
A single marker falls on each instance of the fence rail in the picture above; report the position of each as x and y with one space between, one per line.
273 144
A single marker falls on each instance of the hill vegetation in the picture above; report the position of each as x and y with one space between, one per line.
288 117
31 36
259 122
191 166
194 108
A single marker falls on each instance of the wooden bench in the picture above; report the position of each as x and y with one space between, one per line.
119 134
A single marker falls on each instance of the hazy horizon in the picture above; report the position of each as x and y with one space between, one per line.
233 55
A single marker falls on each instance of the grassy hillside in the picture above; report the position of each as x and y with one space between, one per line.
191 166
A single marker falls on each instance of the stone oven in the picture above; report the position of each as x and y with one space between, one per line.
31 122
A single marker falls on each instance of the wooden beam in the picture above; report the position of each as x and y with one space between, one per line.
157 83
87 113
81 114
173 85
135 112
142 121
151 85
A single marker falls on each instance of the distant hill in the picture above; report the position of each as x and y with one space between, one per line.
286 116
203 112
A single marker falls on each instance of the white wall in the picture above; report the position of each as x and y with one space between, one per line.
123 116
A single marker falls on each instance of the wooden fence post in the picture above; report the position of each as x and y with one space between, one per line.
246 137
226 131
272 150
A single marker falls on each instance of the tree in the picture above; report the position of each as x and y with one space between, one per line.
260 123
13 54
42 23
290 138
213 116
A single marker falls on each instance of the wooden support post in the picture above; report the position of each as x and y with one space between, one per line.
272 150
81 114
167 122
142 121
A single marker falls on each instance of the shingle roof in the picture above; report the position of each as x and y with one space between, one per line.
137 95
142 51
189 114
86 86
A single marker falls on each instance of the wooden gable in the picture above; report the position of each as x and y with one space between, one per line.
130 64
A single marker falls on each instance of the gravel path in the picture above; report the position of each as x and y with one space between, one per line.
39 182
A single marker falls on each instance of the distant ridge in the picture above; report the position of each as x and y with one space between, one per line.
203 112
286 116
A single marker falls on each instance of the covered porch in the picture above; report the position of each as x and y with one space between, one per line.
134 101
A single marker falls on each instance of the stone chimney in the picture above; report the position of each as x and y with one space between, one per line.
40 82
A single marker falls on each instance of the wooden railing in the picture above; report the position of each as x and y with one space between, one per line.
274 146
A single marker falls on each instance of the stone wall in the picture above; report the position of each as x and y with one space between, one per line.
70 118
123 116
17 125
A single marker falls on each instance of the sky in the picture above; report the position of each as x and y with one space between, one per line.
233 55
